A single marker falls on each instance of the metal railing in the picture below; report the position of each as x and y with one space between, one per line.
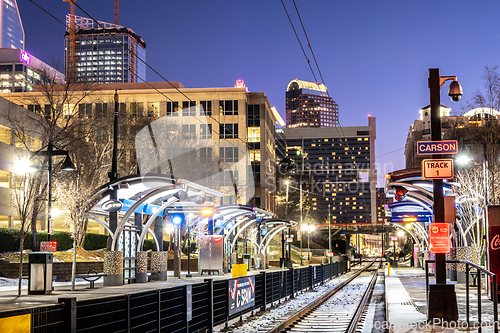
479 270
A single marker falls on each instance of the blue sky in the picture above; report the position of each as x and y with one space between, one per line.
374 55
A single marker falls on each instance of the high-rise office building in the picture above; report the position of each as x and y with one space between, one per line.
105 55
338 170
309 105
11 26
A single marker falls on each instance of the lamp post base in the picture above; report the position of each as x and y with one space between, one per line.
442 302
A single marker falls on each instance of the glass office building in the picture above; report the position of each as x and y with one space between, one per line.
11 26
105 53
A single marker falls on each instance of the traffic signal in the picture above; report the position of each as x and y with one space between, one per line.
400 193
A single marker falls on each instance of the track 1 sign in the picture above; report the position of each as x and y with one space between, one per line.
437 147
437 169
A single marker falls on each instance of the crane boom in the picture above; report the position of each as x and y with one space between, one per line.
72 29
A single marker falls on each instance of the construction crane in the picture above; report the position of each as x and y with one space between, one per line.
72 28
117 6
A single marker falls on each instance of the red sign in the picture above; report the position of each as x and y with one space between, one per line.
329 254
493 253
394 238
48 246
439 238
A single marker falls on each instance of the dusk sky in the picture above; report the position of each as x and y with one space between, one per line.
374 55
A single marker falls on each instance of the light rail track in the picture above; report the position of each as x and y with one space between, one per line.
340 310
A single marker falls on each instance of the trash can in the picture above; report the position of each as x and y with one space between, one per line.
246 260
40 273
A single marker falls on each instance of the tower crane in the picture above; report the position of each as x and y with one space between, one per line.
72 29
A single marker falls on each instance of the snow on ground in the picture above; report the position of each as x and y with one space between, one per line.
11 284
279 312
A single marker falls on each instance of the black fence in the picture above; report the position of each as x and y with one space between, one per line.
165 310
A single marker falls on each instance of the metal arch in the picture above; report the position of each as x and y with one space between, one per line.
121 225
250 222
418 188
271 237
221 229
411 233
422 231
151 220
230 232
106 226
414 197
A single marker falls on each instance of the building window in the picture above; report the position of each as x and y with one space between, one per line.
228 108
205 155
189 131
172 108
84 110
253 134
189 108
230 178
206 107
153 109
253 115
205 131
228 154
101 110
228 131
136 109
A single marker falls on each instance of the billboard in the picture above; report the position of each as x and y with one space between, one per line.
241 294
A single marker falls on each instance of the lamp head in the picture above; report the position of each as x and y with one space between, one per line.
68 164
455 91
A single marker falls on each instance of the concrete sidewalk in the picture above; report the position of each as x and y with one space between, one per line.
407 303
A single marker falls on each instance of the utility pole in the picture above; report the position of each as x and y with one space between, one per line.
329 233
113 175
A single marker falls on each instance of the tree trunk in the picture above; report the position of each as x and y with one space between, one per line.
73 267
34 236
20 263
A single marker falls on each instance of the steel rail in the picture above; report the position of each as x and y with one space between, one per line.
285 325
362 305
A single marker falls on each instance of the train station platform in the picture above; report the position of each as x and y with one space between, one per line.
406 302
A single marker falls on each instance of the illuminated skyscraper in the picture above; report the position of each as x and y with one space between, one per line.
308 105
11 26
105 55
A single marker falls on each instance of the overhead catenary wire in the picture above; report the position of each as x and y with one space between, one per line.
337 124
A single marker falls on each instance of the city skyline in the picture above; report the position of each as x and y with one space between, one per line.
374 58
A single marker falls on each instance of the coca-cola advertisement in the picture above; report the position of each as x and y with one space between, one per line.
493 236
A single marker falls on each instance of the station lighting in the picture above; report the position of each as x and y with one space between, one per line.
410 219
207 211
177 219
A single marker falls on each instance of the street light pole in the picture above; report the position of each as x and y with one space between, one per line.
113 175
329 233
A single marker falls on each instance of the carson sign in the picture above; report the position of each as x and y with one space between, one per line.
437 147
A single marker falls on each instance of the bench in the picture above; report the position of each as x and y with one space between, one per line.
92 276
210 271
474 278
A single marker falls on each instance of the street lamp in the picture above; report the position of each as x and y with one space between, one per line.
309 228
66 166
442 301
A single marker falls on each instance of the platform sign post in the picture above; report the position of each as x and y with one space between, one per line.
439 238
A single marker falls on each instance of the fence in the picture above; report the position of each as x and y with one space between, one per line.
165 310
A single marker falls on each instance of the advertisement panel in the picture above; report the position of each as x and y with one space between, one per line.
241 294
493 252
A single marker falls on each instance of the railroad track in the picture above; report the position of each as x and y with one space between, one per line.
340 310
